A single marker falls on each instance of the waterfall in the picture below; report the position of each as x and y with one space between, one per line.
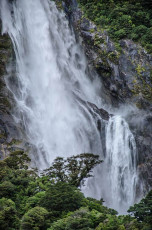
51 94
121 163
116 180
50 69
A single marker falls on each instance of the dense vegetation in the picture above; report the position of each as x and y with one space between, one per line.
122 19
53 201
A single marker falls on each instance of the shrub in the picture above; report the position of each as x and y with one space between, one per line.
120 34
8 215
7 189
122 19
148 36
143 210
35 219
61 198
139 31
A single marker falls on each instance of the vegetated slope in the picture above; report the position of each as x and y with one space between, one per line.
122 19
124 67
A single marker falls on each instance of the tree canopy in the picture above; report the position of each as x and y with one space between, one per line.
129 19
73 170
143 210
52 201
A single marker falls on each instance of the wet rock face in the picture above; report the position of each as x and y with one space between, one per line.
141 125
10 134
126 74
125 70
101 112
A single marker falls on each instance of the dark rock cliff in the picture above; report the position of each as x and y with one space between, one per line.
10 133
125 70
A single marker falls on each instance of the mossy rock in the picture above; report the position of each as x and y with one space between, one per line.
141 87
58 4
5 102
5 43
114 57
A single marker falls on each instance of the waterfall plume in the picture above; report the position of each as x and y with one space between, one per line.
52 84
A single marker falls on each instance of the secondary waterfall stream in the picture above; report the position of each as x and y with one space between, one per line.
53 88
121 162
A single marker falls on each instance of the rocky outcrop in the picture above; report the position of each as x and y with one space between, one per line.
101 112
141 125
125 68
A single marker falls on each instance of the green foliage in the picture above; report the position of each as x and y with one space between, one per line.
143 210
74 170
15 179
97 205
52 201
17 160
138 32
120 34
35 219
112 223
61 198
122 19
8 215
34 200
78 220
28 191
7 189
84 219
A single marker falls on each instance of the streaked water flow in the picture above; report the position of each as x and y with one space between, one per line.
121 163
52 90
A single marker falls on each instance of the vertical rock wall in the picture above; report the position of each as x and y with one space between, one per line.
125 70
10 133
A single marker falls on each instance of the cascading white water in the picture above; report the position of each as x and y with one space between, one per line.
117 178
121 163
51 71
52 86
